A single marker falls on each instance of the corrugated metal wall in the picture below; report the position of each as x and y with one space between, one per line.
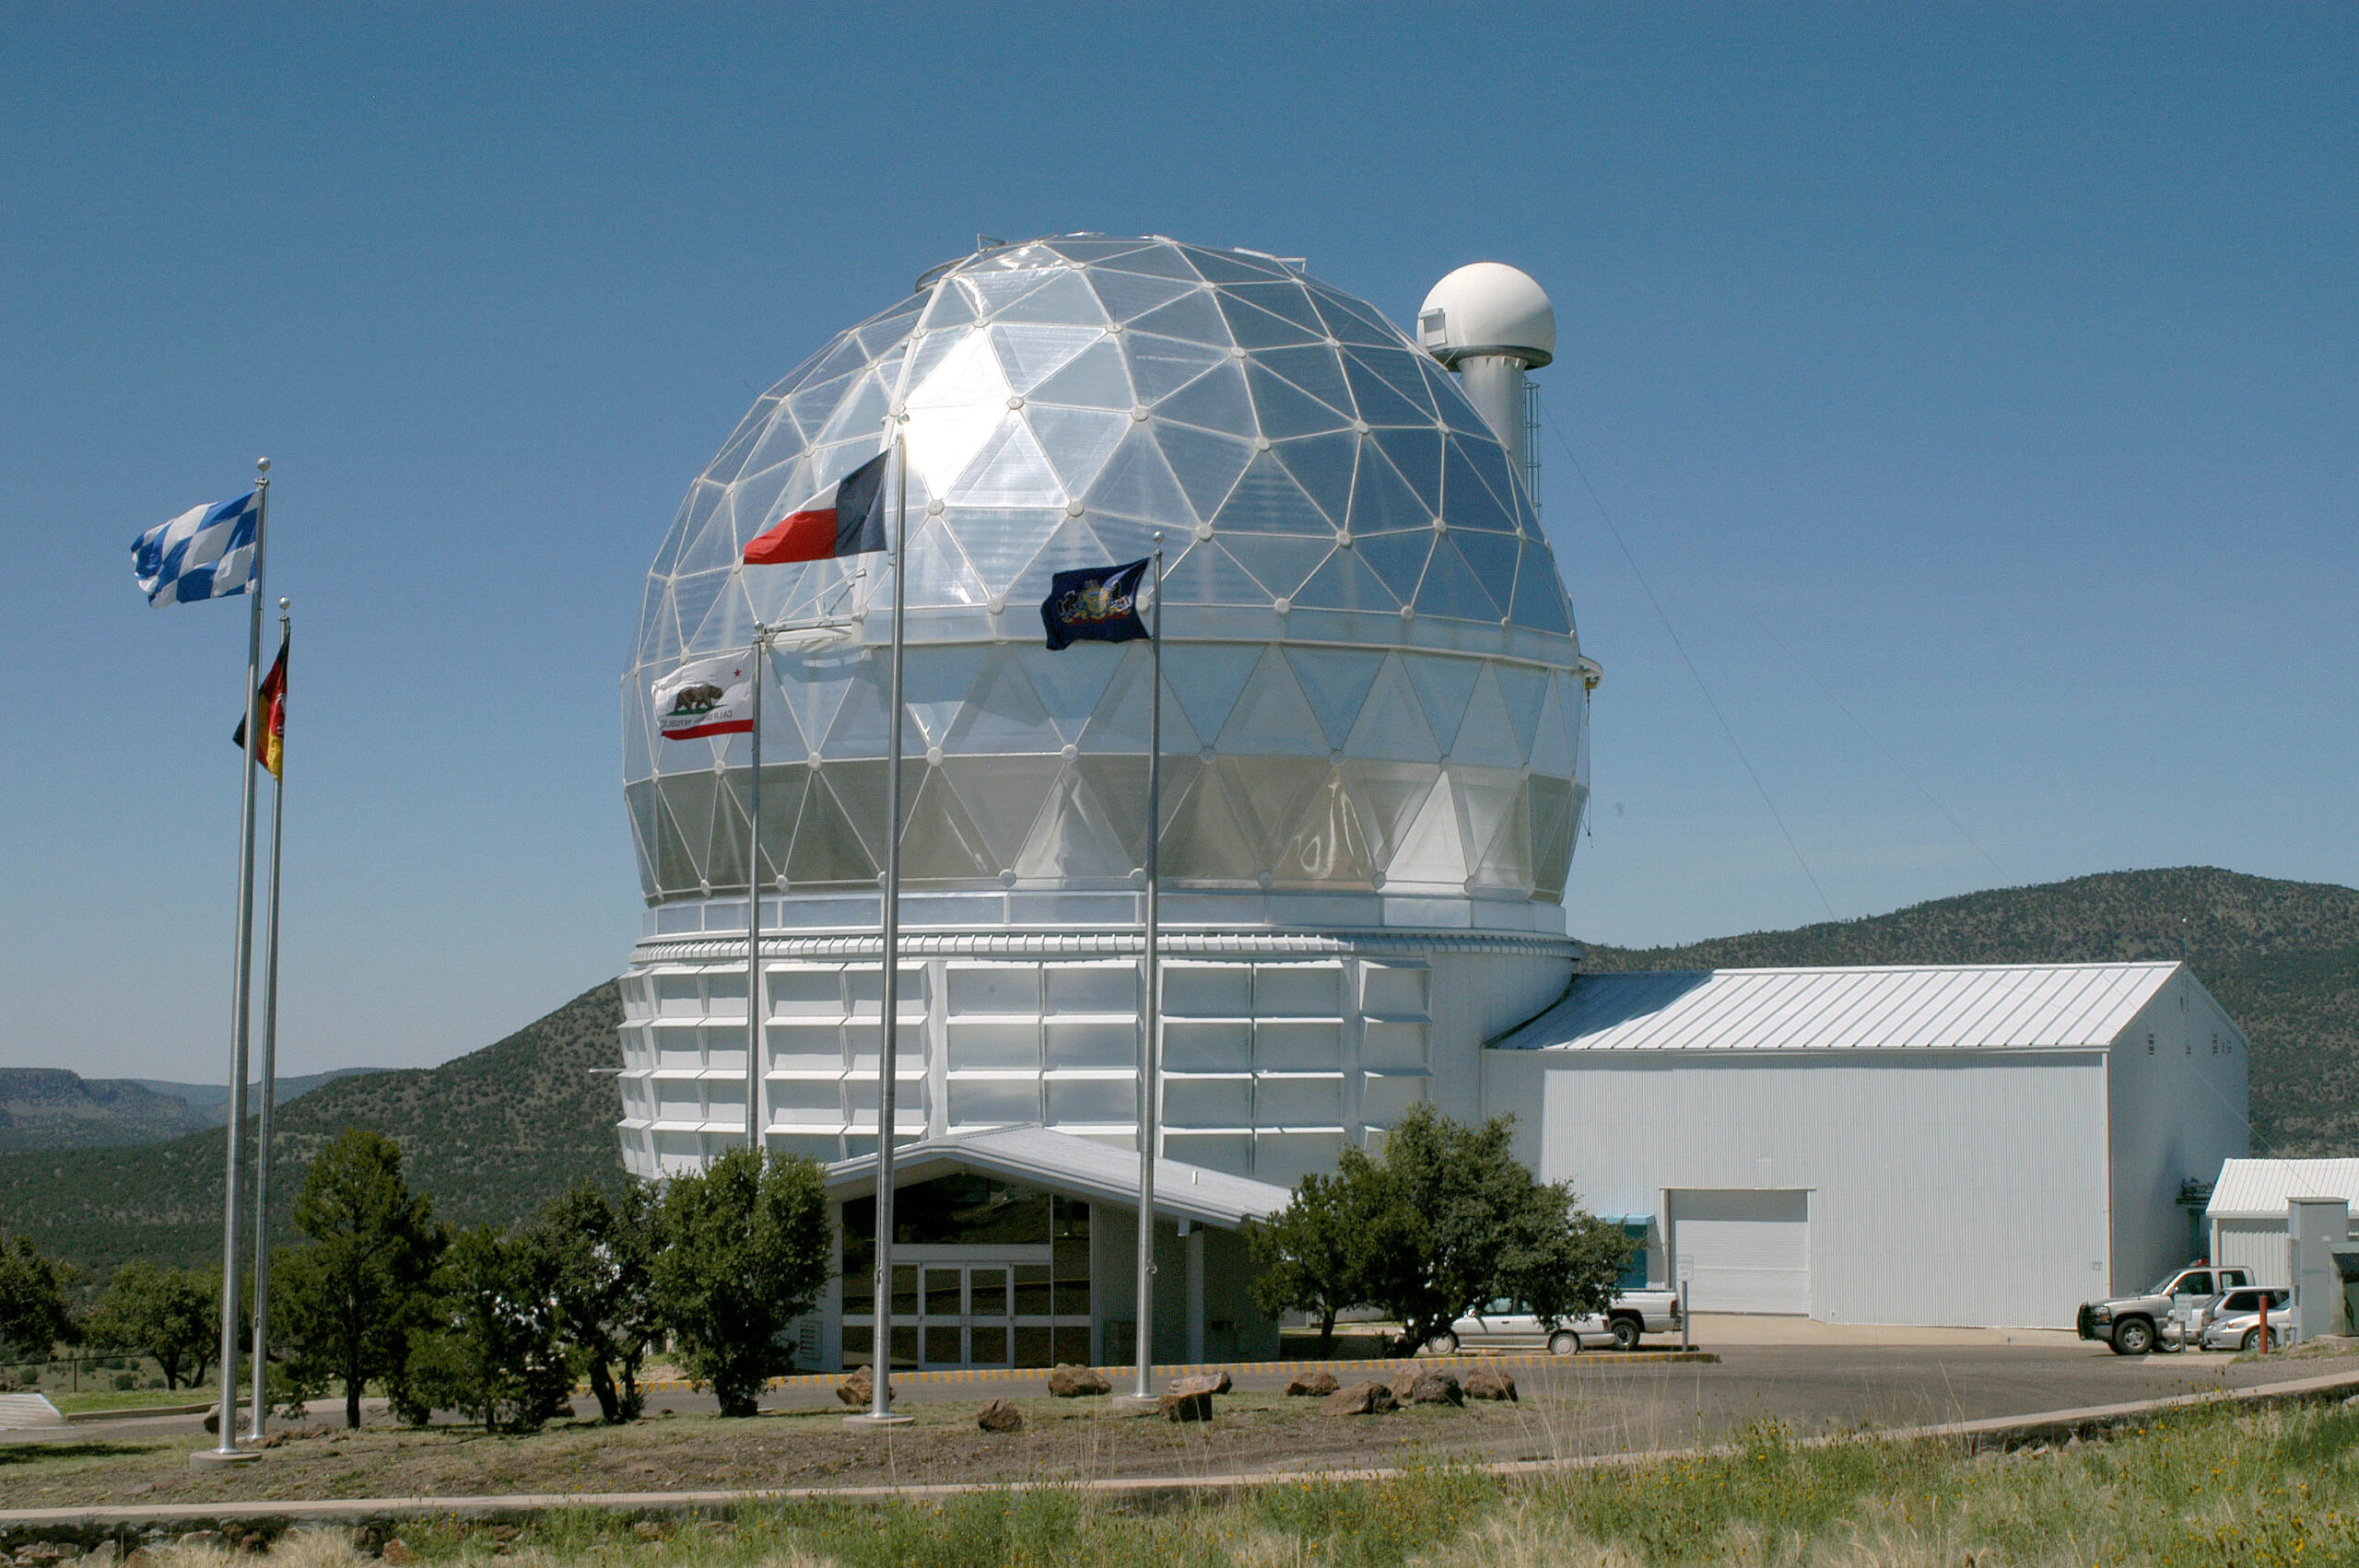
1946 1187
2177 1107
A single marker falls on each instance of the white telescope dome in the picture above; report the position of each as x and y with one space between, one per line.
1373 716
1489 307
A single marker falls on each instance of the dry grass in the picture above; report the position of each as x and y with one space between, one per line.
2274 1488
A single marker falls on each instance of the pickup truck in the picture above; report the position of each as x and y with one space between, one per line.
2133 1325
1505 1325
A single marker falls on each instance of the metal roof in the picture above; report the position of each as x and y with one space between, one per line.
1066 1165
1932 1007
2257 1189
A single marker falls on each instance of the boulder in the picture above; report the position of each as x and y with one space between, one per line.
1310 1383
1489 1383
1067 1381
1195 1405
1361 1399
1424 1386
999 1416
398 1551
856 1390
1206 1383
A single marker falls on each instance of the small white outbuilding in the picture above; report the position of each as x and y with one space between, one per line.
2246 1212
1982 1145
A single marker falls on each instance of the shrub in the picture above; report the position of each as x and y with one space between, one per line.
746 1251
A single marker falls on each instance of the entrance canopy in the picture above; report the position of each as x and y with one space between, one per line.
1069 1166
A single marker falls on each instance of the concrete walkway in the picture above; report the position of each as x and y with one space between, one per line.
1733 1329
357 1510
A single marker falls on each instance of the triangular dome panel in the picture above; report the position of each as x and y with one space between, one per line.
1010 471
1335 680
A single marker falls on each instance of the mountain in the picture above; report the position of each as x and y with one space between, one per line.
2282 957
48 1107
493 1135
497 1133
215 1097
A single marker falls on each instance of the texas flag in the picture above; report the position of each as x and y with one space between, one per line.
846 519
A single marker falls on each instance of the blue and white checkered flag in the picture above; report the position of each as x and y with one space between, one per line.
205 553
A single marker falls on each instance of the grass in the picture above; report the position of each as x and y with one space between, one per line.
2215 1486
131 1398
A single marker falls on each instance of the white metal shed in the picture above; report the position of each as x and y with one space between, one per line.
1967 1144
2246 1214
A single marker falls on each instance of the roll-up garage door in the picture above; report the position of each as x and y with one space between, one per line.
1749 1251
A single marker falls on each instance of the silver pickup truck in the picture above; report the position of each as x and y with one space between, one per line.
2134 1325
1505 1325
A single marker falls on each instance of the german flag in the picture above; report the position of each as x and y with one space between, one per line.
271 697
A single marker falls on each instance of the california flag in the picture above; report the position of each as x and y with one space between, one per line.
707 696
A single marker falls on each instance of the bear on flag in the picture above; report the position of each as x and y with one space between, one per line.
707 696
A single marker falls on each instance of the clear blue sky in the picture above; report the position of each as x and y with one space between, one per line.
1990 372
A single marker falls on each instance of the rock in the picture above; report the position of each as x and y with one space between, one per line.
504 1534
398 1551
1489 1383
106 1554
1361 1399
1067 1381
45 1551
1204 1383
212 1419
1311 1383
1423 1385
999 1416
648 1529
196 1541
857 1390
1194 1406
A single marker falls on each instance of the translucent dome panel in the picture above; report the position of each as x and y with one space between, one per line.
1067 398
1368 647
1284 767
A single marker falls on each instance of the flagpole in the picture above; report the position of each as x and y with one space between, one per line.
241 999
754 914
880 1399
269 1068
1151 1015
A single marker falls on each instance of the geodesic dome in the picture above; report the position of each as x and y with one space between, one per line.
1371 676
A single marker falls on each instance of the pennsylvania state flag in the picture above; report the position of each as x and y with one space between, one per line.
1093 604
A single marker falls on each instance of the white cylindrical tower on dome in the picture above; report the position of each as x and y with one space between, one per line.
1491 322
1374 718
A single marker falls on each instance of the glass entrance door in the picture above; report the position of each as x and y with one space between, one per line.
964 1315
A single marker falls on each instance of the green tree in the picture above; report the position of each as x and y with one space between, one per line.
348 1298
600 1256
1458 1221
33 1312
492 1348
169 1314
746 1252
1315 1255
1445 1220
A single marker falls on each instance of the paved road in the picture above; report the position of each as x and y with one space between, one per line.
1811 1387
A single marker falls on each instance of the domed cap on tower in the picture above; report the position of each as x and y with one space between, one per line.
1489 307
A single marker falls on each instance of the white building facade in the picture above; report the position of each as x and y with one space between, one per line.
2246 1212
1968 1146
